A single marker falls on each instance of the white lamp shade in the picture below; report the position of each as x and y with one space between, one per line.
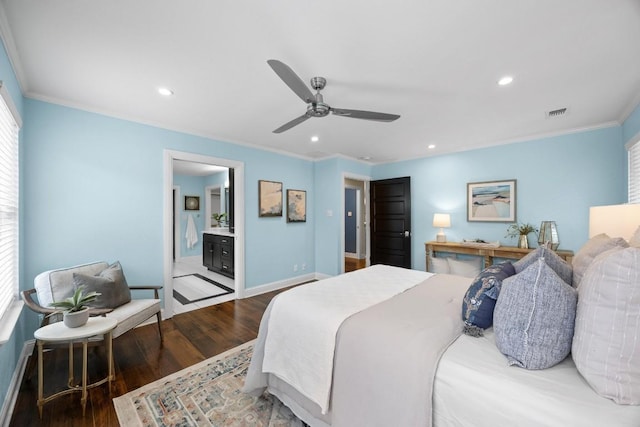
441 220
614 220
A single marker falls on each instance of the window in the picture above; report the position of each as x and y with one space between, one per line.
634 172
10 304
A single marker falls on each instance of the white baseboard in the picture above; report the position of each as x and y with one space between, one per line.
14 386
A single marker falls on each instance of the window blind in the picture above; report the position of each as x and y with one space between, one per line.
634 172
9 129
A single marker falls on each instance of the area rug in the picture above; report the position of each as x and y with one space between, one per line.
196 287
205 394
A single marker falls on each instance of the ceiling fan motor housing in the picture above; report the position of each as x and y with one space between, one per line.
318 109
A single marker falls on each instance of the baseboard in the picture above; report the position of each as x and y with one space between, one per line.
274 286
14 387
351 255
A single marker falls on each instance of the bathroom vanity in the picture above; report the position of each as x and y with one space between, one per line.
217 251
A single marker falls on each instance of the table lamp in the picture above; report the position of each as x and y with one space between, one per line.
442 221
614 220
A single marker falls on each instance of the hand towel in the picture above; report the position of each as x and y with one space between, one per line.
192 233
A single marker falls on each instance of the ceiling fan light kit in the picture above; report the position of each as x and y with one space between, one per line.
316 106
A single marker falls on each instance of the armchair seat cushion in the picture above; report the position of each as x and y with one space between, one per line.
133 313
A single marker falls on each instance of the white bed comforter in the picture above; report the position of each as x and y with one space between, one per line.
297 340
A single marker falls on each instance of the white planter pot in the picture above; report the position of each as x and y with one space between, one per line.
76 319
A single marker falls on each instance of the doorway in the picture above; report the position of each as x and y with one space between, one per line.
355 240
173 214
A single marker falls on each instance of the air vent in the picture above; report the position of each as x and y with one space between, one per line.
557 113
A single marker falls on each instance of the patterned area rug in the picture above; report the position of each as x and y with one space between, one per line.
205 394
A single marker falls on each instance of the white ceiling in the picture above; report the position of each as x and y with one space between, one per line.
436 63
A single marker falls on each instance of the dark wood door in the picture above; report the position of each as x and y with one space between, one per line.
391 222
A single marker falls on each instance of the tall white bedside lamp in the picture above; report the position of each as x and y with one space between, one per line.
614 220
442 221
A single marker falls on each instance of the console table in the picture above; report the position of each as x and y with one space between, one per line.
506 252
58 332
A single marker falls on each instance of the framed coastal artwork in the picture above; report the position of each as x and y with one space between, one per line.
491 201
296 206
269 198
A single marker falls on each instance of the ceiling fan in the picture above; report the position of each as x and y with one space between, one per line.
315 103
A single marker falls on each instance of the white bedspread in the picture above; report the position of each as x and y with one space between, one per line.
299 337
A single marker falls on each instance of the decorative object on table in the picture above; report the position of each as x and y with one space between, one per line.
296 206
521 231
479 243
74 309
269 198
191 203
218 218
614 220
491 201
442 221
548 235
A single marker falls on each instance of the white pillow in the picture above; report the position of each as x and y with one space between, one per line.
439 265
587 253
605 346
467 268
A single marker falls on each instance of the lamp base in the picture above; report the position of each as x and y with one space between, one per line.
441 238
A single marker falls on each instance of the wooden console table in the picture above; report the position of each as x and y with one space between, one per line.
507 252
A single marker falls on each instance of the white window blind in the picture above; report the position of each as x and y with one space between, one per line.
634 172
9 128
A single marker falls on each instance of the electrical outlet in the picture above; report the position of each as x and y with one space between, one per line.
295 267
304 266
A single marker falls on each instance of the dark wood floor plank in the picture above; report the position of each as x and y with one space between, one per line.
139 358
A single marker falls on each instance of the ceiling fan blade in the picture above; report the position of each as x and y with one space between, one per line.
292 80
366 115
291 124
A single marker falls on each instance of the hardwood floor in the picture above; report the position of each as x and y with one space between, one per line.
352 264
140 358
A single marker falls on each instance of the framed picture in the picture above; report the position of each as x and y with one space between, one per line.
269 198
296 206
191 203
492 201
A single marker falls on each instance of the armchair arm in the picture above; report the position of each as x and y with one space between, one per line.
154 288
28 300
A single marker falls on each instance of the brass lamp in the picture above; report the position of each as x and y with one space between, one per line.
549 235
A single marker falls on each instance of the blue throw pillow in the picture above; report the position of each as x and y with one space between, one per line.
480 299
534 317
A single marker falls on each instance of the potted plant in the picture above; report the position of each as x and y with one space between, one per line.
219 218
521 231
74 309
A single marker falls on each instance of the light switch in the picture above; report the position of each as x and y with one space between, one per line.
349 213
329 212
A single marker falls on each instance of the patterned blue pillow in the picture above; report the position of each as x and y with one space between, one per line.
480 299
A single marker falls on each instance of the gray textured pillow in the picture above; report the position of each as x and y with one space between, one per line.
110 283
552 259
594 247
534 317
634 241
606 344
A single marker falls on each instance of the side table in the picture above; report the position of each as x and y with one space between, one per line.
58 332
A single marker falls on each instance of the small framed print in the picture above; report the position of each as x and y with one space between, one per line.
191 203
296 206
492 201
269 198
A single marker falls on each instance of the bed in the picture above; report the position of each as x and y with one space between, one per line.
404 361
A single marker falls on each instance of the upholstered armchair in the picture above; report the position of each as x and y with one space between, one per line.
115 300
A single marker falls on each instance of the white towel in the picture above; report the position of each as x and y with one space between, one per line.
192 233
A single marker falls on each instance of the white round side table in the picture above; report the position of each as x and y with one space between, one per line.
58 332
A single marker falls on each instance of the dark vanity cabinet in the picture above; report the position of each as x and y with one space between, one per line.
217 253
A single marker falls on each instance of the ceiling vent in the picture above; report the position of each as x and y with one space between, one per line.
556 113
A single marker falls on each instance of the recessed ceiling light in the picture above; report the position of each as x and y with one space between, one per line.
431 146
505 80
165 91
315 138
